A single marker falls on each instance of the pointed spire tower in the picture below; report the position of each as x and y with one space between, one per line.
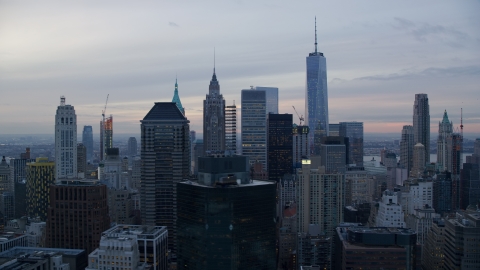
176 98
445 129
214 117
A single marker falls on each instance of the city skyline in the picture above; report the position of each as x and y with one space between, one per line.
379 56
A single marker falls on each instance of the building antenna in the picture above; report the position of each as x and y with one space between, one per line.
213 60
461 122
315 34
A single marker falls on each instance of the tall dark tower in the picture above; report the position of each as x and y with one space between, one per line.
214 118
165 154
280 146
421 123
316 97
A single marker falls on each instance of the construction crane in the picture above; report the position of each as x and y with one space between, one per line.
102 132
299 117
105 109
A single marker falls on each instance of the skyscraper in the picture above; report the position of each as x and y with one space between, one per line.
254 129
214 118
176 98
354 132
81 160
445 129
333 152
421 123
65 141
40 176
418 161
87 140
231 129
280 146
301 147
107 135
6 181
165 153
406 148
271 95
217 229
132 146
316 95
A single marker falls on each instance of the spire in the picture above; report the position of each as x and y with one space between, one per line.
315 34
445 118
213 60
176 98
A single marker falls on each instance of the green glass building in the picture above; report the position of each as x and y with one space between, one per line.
225 220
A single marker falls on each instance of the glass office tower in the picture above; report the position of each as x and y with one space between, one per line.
316 97
87 140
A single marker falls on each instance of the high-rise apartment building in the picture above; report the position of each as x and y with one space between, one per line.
214 118
254 125
406 148
271 95
165 153
280 146
354 132
77 215
87 140
421 123
301 146
65 141
40 176
316 97
132 146
217 229
231 129
445 130
320 198
176 98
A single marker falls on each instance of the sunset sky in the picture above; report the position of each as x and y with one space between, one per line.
379 55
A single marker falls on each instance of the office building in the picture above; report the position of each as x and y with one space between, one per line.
280 146
301 145
390 212
359 187
333 129
406 148
40 176
271 95
421 123
77 214
197 152
176 98
445 129
214 118
87 140
165 153
112 174
132 146
442 193
359 248
418 196
7 205
287 241
43 258
131 247
470 186
19 176
107 135
254 126
320 198
6 181
333 153
35 231
462 235
354 132
418 167
316 96
433 249
454 153
65 141
420 221
216 228
314 248
231 129
81 160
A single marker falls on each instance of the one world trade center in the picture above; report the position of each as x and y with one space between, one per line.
316 98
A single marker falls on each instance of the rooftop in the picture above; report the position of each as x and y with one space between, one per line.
141 231
164 111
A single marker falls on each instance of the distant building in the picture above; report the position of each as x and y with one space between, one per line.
333 152
470 186
280 146
6 181
214 118
421 124
445 129
165 153
197 152
35 231
132 146
231 129
418 161
434 245
390 212
71 221
242 235
43 258
7 205
254 125
333 129
301 145
131 247
40 176
360 187
19 175
442 193
354 132
87 140
271 94
420 221
176 98
81 160
65 141
314 248
359 248
107 135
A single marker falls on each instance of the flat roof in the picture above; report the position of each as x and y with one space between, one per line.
252 183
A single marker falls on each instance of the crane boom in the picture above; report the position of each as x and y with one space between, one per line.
105 109
299 117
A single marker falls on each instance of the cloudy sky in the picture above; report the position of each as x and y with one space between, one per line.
379 54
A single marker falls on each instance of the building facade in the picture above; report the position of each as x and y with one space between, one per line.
406 148
421 123
280 146
445 129
40 176
176 98
354 132
87 140
165 154
301 145
254 126
214 118
231 129
132 146
65 141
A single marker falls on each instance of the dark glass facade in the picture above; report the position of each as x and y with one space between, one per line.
87 140
231 227
442 193
470 185
354 132
280 146
317 94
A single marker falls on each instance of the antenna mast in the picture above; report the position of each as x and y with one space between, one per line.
315 34
461 122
